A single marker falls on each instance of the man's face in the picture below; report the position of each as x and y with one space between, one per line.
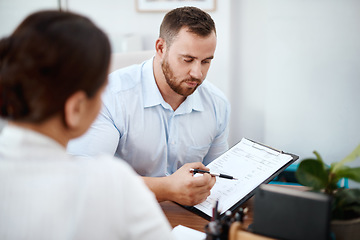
187 61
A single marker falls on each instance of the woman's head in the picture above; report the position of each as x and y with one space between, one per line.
49 57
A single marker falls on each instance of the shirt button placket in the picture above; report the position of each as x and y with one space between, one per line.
172 140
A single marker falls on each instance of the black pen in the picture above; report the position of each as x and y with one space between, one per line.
215 211
212 174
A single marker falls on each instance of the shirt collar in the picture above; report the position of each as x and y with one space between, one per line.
191 103
152 95
13 138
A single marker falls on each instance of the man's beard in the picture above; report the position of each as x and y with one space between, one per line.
176 85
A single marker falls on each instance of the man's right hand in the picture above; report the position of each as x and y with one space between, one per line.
182 187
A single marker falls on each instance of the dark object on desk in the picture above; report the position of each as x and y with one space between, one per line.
291 214
218 229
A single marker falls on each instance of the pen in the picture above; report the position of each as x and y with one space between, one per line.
215 211
212 174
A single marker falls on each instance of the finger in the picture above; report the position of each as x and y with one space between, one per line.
205 180
202 194
198 165
205 196
199 199
207 186
212 182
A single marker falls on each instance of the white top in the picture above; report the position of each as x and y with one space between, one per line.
137 125
47 194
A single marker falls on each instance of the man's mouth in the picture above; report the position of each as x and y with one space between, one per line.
192 83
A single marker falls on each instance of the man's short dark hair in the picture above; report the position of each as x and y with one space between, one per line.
196 20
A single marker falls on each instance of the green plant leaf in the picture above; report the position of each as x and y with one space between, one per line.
340 173
346 204
312 173
318 157
351 157
350 173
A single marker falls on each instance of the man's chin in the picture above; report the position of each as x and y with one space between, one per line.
188 92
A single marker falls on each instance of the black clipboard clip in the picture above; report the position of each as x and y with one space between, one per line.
265 147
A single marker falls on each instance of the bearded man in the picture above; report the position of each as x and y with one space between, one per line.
161 117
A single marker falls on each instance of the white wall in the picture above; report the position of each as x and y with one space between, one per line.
12 12
248 69
315 59
290 68
299 75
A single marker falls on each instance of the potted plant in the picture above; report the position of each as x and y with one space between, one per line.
314 173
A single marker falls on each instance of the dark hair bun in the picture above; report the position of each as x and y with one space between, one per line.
12 103
50 56
5 45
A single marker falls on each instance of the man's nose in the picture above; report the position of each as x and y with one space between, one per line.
195 71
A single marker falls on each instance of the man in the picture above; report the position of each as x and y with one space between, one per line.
161 117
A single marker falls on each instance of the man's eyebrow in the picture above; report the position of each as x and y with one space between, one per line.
189 56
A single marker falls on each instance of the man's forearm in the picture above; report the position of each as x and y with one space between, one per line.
160 187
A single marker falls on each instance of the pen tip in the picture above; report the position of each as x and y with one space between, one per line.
235 179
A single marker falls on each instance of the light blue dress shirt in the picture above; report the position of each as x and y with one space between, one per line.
137 125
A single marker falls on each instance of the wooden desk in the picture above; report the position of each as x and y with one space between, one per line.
178 215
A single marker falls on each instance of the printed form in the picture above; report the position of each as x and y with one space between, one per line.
251 163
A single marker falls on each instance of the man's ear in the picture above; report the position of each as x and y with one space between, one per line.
160 46
74 109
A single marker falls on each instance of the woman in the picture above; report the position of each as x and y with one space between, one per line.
53 69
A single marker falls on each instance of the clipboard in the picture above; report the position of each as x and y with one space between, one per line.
202 209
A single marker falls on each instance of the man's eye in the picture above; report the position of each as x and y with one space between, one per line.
188 60
206 61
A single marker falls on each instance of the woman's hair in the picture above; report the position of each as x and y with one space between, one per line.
48 57
196 20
